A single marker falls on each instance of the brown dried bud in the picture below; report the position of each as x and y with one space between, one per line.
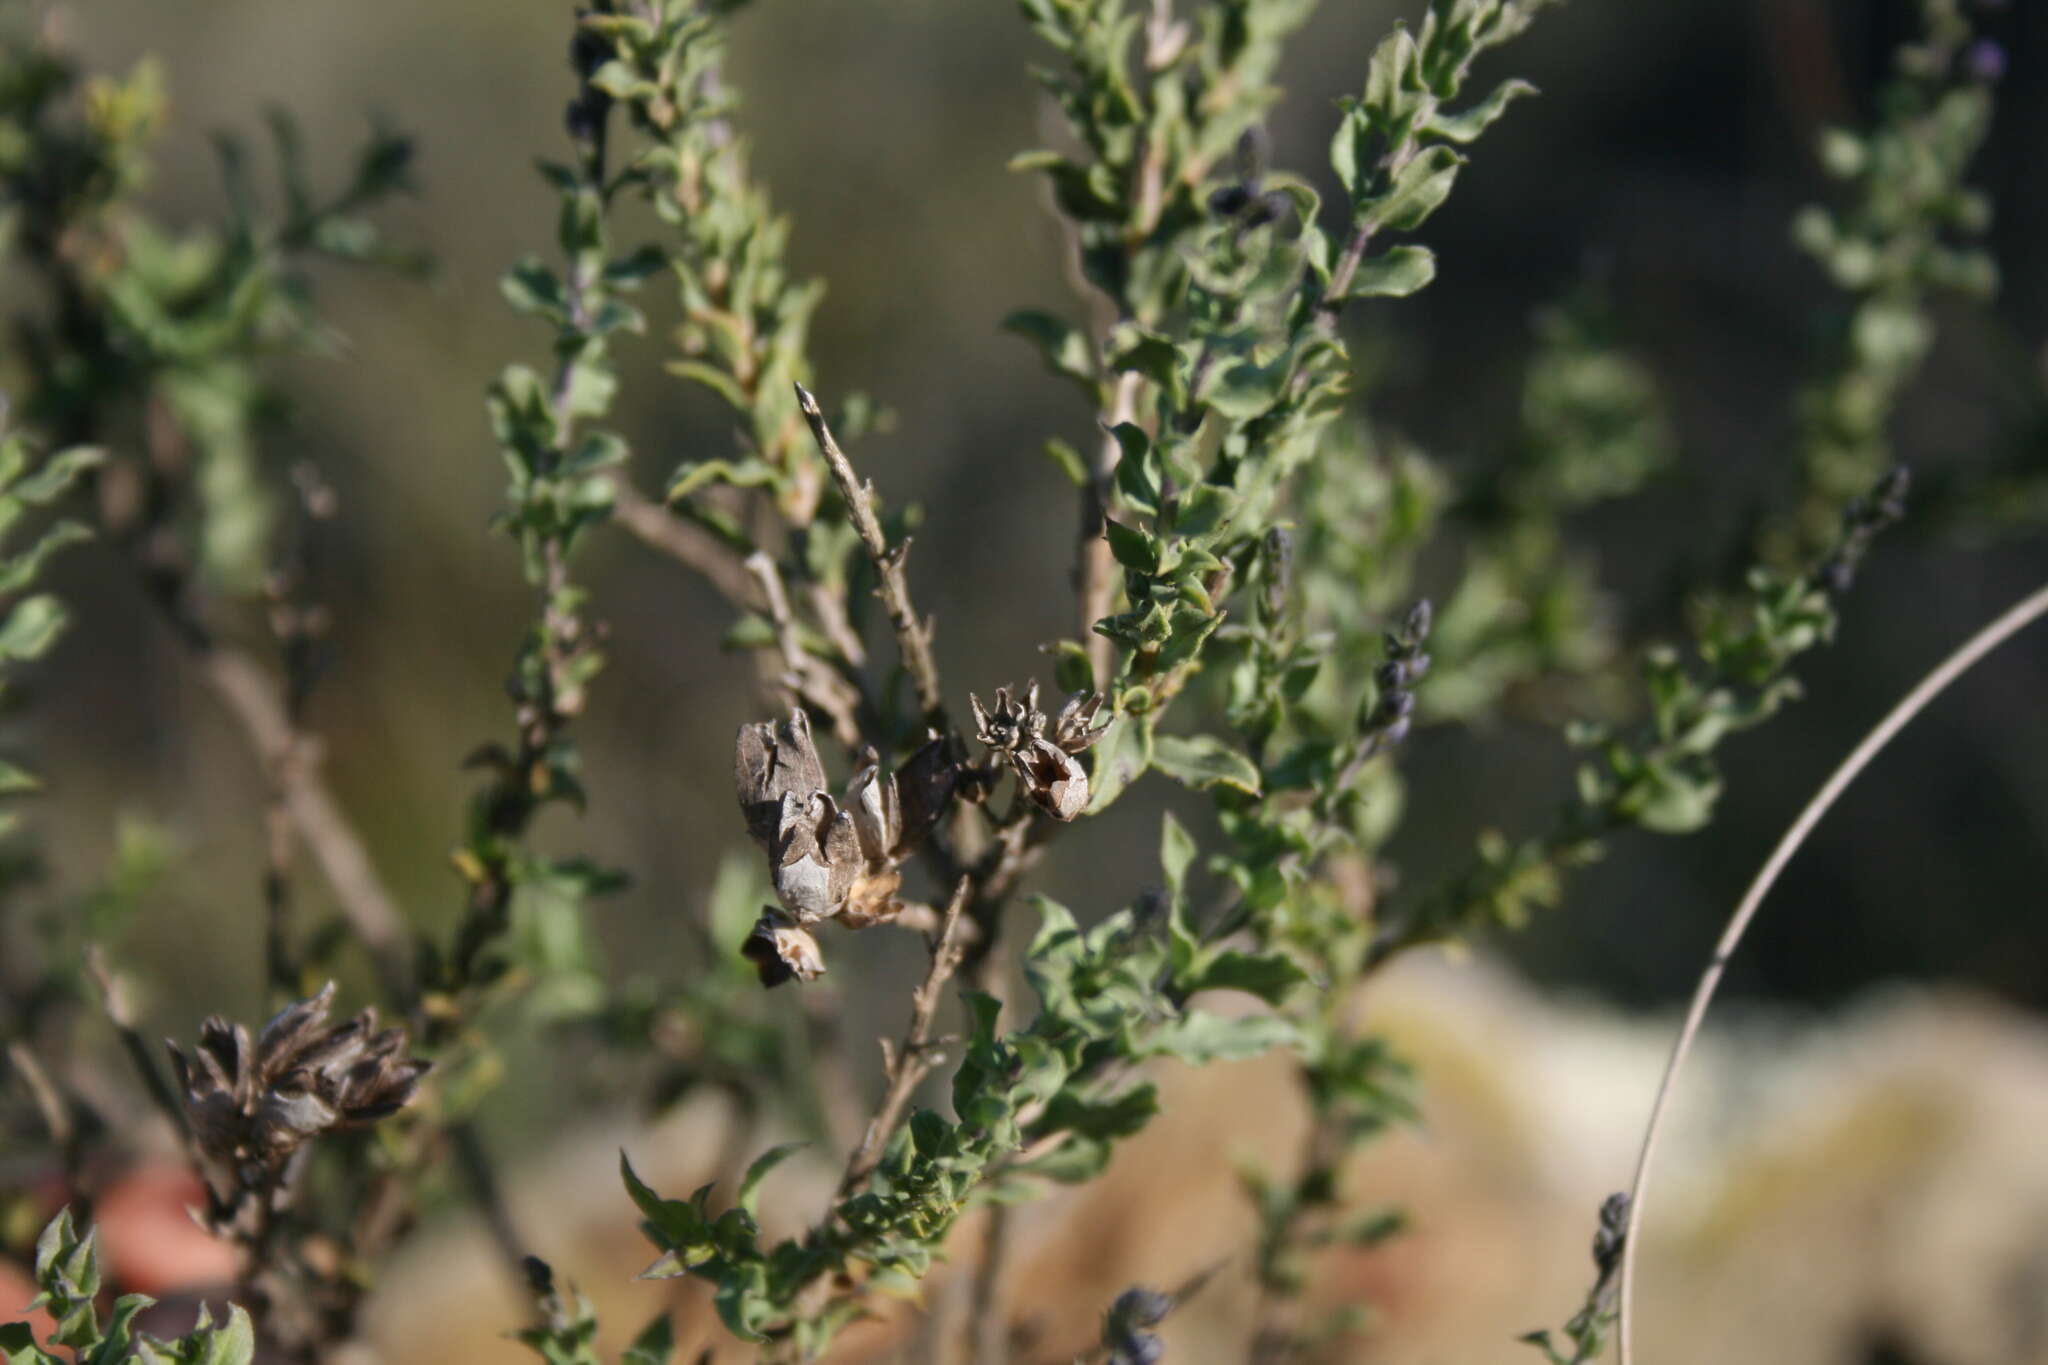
772 761
877 810
830 859
781 951
816 856
1045 766
253 1106
1052 779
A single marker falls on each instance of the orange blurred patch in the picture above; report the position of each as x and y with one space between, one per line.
151 1244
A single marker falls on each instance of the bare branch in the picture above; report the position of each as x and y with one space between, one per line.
913 636
691 546
805 676
251 695
910 1061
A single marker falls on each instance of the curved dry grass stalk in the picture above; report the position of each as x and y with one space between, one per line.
2015 619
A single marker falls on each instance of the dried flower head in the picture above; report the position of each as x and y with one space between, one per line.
832 858
816 855
1044 762
253 1105
773 761
780 950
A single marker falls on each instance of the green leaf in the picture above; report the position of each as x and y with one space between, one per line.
750 1184
714 379
18 1346
1065 350
532 288
1393 274
1245 390
1069 461
655 1345
1176 852
1121 755
1269 976
1467 126
1350 148
1201 1037
56 474
32 627
1422 185
1133 548
1203 761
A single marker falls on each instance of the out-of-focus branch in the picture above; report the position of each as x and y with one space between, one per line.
691 546
251 696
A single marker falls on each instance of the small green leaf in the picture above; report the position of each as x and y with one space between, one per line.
1069 461
1269 976
1176 852
714 379
1393 274
655 1345
750 1184
1467 126
1421 186
1121 756
1133 548
1065 350
1245 390
1204 761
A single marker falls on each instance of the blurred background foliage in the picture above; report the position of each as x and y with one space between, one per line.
1666 158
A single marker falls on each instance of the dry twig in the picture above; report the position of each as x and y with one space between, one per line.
805 676
907 1063
913 636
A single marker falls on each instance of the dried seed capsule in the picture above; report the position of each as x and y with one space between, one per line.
782 951
771 761
1076 730
872 800
1045 767
816 856
253 1105
1052 778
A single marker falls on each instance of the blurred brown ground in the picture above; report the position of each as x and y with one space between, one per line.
1830 1189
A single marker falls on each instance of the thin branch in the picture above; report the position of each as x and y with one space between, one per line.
2029 609
1340 278
804 675
691 546
251 696
913 635
910 1061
